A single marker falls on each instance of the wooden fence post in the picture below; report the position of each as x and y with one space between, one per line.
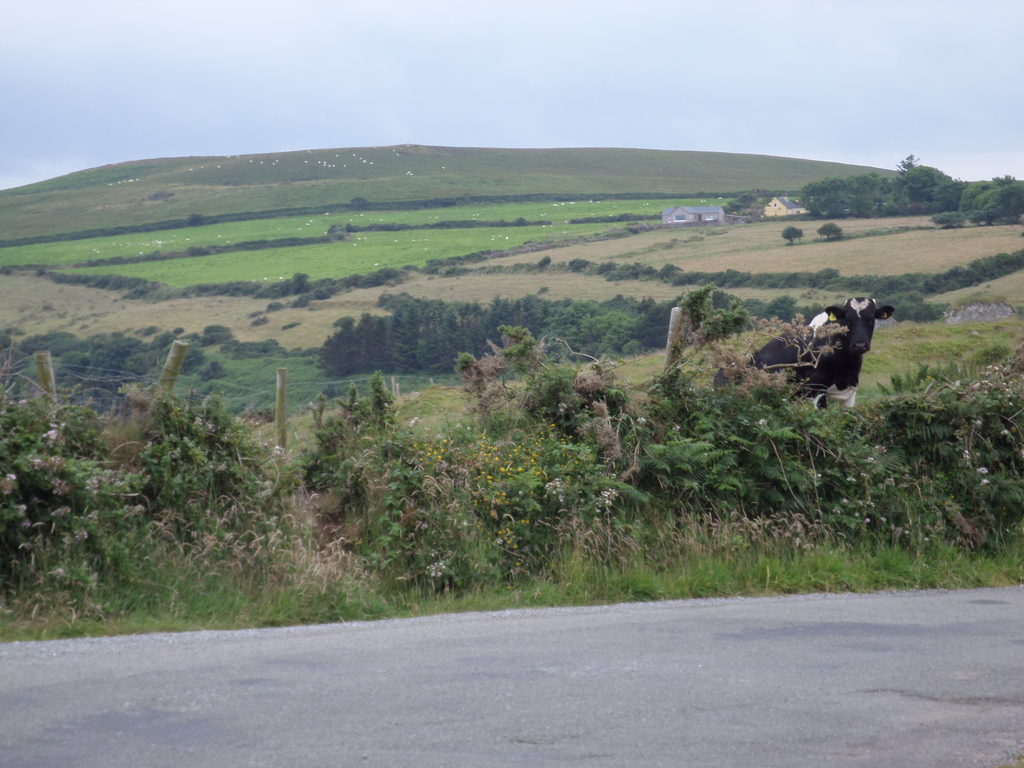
175 357
281 408
44 373
672 344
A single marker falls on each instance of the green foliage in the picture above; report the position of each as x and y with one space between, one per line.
792 234
938 461
916 189
702 323
428 335
830 231
196 457
66 513
466 509
950 220
999 200
567 476
95 510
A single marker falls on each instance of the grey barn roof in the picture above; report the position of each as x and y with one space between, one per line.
694 208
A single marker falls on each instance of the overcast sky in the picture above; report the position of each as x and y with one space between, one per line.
84 83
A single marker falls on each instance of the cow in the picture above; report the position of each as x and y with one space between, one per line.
826 365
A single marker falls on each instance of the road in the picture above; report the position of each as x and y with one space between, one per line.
899 680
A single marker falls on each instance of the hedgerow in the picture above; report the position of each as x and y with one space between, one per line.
557 455
554 460
88 503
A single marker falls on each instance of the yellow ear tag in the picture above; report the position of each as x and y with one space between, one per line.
832 317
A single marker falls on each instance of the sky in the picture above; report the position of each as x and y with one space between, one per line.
85 83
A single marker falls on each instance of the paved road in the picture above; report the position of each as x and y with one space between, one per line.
929 679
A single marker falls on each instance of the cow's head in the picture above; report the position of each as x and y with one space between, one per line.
858 315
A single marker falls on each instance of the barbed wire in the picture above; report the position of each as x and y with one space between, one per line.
102 388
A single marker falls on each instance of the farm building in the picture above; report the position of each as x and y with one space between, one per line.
691 215
783 206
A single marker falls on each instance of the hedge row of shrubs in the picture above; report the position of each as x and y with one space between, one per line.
550 458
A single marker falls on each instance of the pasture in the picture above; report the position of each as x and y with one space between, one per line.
169 188
880 246
362 253
871 246
68 252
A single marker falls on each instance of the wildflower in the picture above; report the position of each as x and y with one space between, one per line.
982 470
984 481
762 422
7 483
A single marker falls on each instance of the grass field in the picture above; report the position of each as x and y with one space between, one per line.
168 240
898 245
362 253
170 188
895 246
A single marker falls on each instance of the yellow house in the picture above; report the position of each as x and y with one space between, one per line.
782 206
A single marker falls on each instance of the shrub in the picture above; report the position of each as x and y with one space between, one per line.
203 471
791 234
67 515
830 231
943 464
949 220
216 334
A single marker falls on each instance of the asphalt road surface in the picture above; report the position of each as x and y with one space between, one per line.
898 680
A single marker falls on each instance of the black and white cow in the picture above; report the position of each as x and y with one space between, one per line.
827 365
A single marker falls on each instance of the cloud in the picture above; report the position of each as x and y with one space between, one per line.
867 82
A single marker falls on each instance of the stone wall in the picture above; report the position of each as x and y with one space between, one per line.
979 313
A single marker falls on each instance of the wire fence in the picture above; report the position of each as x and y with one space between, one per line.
103 389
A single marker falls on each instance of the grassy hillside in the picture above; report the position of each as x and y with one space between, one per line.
172 188
540 256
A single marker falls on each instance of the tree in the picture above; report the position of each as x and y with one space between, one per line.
830 231
791 234
1009 198
908 163
987 202
827 197
929 190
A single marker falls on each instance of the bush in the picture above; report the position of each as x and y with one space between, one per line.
197 459
216 334
949 220
946 464
791 234
67 515
830 231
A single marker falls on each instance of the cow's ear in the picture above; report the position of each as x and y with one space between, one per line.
834 313
884 312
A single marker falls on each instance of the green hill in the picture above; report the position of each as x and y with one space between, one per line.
148 191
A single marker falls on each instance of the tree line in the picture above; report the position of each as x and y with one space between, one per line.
915 190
